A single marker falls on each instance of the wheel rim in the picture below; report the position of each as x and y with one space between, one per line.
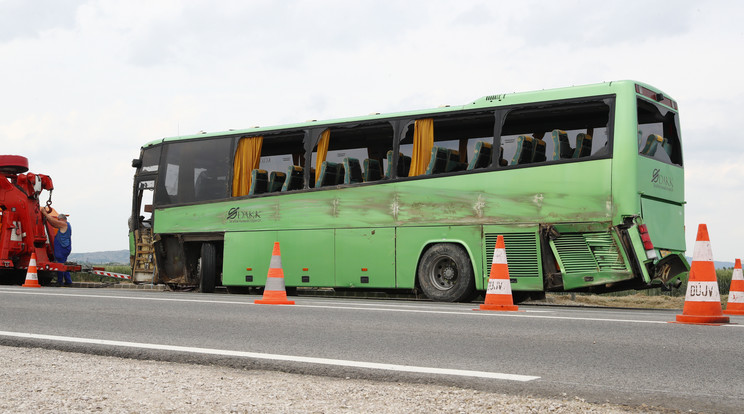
444 273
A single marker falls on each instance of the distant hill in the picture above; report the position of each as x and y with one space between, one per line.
718 265
113 256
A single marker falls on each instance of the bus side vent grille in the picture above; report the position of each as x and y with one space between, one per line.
521 254
592 252
605 251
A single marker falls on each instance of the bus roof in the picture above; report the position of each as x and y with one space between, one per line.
489 101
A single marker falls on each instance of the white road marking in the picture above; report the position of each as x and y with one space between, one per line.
276 357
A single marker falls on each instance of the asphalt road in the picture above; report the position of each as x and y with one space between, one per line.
604 355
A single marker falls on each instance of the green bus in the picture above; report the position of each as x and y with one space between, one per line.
587 188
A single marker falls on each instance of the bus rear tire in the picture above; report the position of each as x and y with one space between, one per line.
207 268
445 273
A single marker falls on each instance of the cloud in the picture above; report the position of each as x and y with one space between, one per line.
586 23
24 19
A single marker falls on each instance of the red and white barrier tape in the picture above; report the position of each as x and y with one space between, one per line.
109 274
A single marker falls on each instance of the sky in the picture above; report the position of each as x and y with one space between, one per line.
86 83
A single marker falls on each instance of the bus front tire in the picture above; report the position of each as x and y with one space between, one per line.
445 273
207 268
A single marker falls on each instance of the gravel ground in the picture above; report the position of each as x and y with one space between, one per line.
40 380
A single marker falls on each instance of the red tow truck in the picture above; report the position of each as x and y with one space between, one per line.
23 228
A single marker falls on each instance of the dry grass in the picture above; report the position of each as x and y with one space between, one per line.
638 300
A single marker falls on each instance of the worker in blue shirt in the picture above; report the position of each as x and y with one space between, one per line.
62 243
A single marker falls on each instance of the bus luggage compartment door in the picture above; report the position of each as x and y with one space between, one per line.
365 258
590 259
307 257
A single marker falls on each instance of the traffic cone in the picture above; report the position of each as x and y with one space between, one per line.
735 305
702 301
274 292
499 293
32 280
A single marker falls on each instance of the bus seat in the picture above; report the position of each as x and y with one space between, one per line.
438 161
555 137
583 146
259 182
453 162
404 164
352 171
502 161
328 174
295 178
276 181
652 142
561 147
525 150
482 155
389 158
372 170
539 152
667 147
340 173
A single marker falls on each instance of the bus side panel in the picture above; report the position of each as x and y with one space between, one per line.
411 242
307 254
576 192
365 258
246 257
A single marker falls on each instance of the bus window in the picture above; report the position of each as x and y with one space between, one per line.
280 155
568 131
657 133
151 159
454 142
195 171
361 148
278 163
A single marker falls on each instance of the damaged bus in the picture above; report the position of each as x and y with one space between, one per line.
585 183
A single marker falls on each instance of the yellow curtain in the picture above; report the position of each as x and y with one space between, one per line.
247 158
463 150
423 141
325 138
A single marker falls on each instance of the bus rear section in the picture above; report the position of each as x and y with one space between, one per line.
660 182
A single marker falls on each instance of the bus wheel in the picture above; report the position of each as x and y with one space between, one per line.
445 273
207 268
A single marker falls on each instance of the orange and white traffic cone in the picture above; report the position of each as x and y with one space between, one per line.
499 293
274 291
703 300
32 280
735 305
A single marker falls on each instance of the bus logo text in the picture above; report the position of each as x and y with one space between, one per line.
662 181
237 215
